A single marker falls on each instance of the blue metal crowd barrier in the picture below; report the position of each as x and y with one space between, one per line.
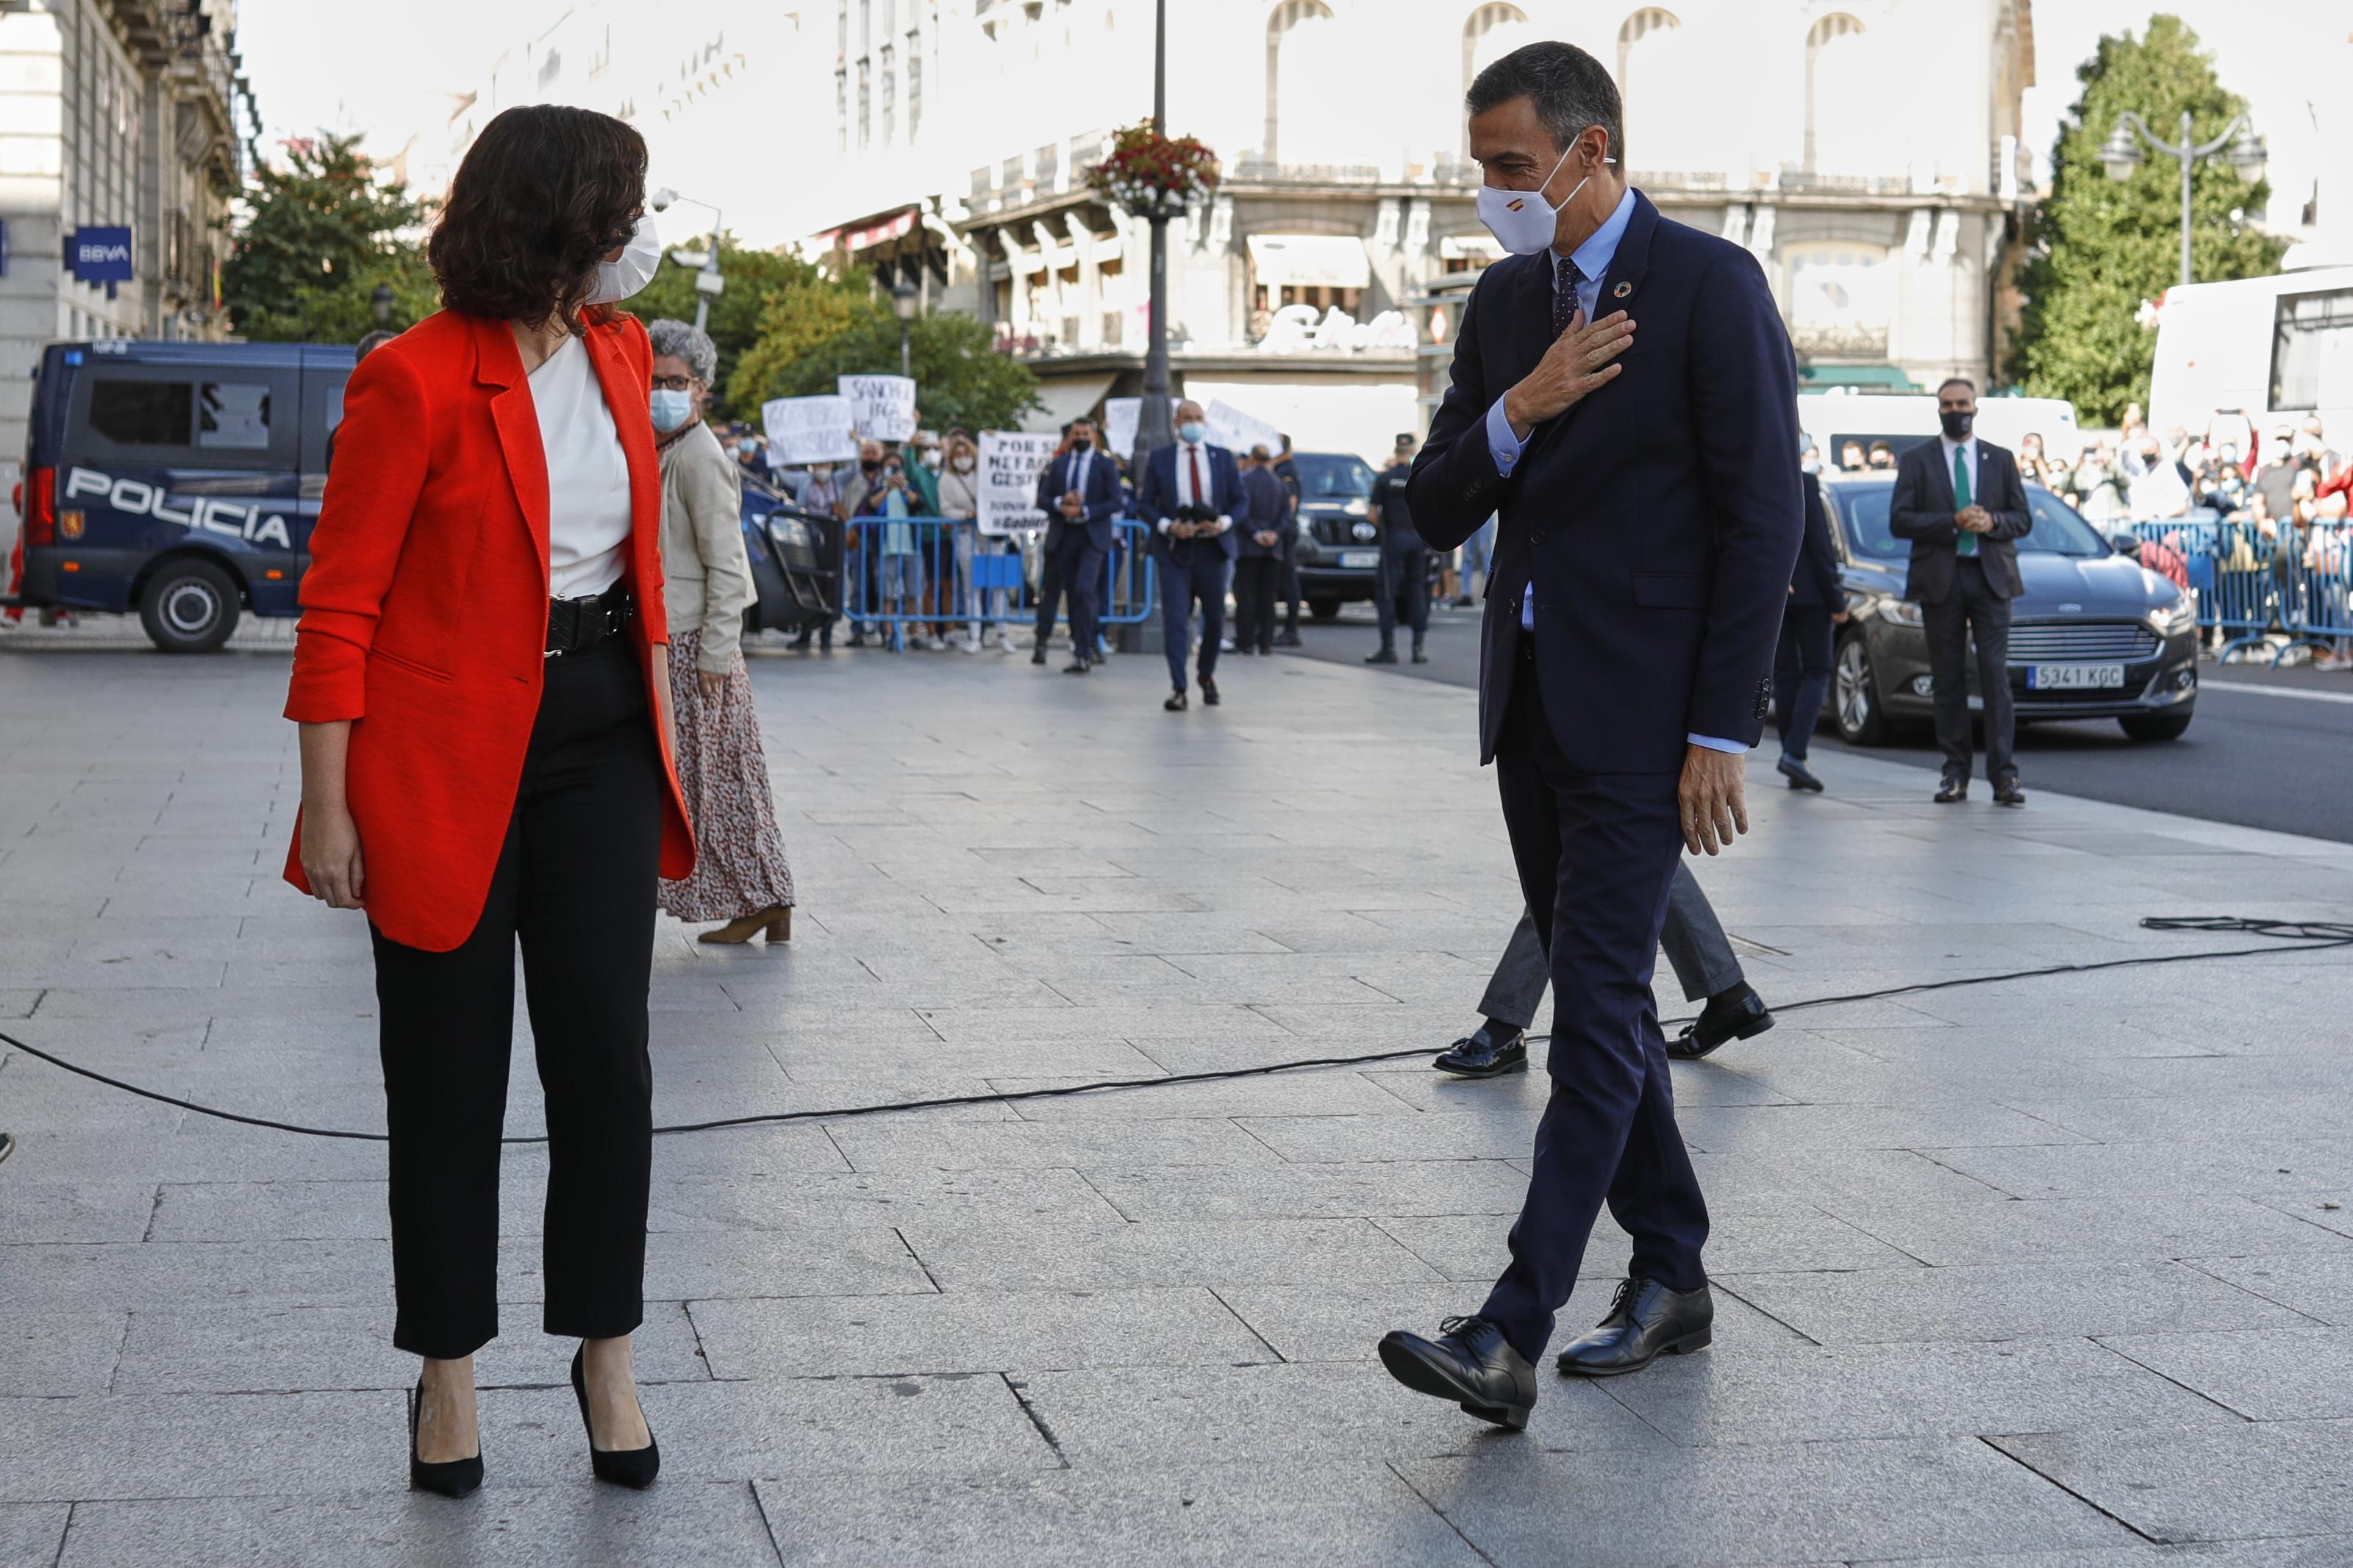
937 571
2251 588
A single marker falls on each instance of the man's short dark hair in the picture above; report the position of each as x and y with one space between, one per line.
1956 381
1571 90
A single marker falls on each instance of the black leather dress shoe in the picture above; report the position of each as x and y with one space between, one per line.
1646 1321
1176 702
1076 666
1952 789
1487 1051
2007 793
1384 654
1288 639
1798 773
1469 1363
1737 1015
1209 692
1037 654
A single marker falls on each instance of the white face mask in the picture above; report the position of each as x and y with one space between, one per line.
1522 222
640 259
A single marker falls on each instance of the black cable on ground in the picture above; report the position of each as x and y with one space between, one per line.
2309 936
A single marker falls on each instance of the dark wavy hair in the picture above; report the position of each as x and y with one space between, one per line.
544 194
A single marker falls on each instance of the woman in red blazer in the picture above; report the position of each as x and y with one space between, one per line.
482 680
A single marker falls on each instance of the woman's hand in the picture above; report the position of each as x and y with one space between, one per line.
331 857
710 685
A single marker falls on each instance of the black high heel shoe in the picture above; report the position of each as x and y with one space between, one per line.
634 1467
456 1477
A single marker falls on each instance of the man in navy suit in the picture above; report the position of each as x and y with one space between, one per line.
1647 490
1960 502
1190 494
1079 493
1264 535
1801 664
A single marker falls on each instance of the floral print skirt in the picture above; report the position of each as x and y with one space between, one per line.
739 857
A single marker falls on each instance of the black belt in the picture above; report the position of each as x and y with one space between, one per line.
576 626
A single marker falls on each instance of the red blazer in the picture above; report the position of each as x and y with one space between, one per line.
424 608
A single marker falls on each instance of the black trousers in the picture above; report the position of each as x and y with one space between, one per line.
1291 586
1256 578
1596 853
1194 570
1075 568
576 885
1802 677
1973 610
1402 594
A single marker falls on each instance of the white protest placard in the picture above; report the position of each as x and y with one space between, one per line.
1010 462
1238 432
809 430
1122 416
882 407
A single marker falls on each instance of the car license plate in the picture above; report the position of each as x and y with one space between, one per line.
2074 677
1354 560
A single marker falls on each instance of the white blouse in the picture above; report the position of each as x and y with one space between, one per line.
587 475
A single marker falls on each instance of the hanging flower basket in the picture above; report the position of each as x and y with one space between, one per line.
1145 170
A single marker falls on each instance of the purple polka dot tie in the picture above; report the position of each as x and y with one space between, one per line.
1564 295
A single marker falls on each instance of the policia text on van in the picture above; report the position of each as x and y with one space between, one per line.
179 479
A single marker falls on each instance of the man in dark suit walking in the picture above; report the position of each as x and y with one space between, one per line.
1647 489
1801 665
1079 493
1190 494
1264 536
1960 502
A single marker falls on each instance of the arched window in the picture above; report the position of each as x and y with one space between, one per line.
1492 32
1657 90
1841 137
1303 82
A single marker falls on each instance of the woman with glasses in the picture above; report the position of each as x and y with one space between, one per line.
740 875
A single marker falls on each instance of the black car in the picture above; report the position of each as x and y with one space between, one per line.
1339 543
2095 635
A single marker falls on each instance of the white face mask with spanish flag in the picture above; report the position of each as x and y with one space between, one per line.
1522 222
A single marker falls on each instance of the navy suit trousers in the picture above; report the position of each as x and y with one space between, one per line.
1193 568
1596 857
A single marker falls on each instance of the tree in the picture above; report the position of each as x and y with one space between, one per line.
755 279
811 334
2098 247
323 232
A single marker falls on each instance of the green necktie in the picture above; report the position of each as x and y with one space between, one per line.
1968 542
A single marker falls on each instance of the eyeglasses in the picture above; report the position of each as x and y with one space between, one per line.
674 383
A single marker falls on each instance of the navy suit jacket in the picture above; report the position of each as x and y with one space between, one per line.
1269 506
1922 507
1155 499
1097 507
1817 584
1658 519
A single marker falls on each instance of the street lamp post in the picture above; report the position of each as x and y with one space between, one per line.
2120 154
708 282
905 301
380 304
1152 427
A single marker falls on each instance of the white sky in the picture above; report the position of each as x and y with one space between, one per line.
345 65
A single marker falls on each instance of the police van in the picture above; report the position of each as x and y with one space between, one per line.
178 479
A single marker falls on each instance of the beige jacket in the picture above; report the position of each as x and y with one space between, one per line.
707 577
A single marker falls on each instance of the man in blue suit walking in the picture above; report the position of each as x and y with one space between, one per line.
1188 499
1079 493
1647 492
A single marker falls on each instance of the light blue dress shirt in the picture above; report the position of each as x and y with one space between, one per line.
1592 259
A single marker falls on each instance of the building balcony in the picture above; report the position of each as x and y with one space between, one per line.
1841 342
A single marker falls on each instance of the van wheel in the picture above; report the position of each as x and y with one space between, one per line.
1854 694
189 606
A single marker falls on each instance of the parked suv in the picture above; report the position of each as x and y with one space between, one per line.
2095 635
1339 545
178 479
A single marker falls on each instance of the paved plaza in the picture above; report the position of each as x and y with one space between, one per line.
2049 1274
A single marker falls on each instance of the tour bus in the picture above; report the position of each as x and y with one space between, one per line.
1831 419
178 479
2264 351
